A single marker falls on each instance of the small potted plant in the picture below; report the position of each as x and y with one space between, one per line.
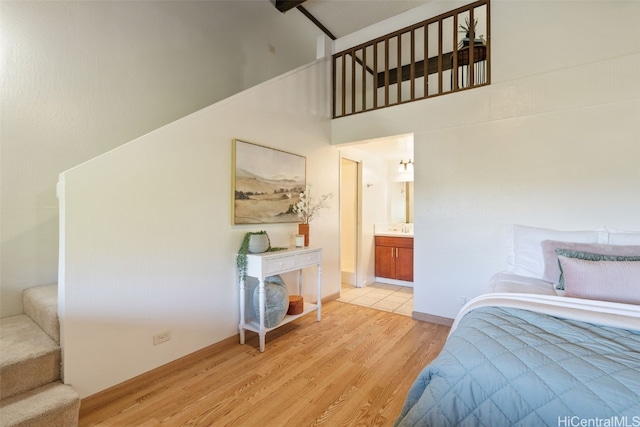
253 242
469 29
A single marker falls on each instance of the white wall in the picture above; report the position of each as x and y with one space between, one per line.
147 237
82 77
552 142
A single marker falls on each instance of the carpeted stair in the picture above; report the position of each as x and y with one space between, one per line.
31 392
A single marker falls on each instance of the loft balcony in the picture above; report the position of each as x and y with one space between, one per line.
441 55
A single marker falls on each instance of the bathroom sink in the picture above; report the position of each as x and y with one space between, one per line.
393 230
393 233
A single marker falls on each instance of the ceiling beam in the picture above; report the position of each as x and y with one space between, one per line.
285 5
318 24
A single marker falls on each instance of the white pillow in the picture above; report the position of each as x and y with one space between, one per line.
616 281
525 252
622 237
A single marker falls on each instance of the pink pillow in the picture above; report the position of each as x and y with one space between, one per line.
551 267
616 281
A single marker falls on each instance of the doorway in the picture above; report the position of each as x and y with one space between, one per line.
373 195
349 208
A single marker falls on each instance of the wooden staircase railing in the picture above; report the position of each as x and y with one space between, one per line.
445 54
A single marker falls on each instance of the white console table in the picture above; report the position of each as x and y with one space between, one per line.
268 264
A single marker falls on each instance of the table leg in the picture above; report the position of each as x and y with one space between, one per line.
319 292
242 302
261 299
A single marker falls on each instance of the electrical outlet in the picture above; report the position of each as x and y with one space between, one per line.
162 337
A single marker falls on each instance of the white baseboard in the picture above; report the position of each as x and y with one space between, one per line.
430 318
394 282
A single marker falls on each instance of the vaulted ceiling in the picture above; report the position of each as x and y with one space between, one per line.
343 17
338 18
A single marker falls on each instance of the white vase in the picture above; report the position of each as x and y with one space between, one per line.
258 243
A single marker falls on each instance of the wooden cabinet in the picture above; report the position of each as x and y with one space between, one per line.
394 257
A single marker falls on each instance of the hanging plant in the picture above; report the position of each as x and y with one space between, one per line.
241 258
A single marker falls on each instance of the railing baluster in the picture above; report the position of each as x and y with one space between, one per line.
344 84
440 57
472 61
426 60
454 58
412 68
334 88
375 76
399 69
488 45
364 79
386 72
353 81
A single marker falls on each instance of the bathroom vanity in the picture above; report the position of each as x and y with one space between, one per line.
394 253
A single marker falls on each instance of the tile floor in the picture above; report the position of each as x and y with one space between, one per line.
394 298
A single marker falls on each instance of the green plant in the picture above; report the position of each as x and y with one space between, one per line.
241 258
467 27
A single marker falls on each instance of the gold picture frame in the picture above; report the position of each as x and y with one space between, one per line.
266 184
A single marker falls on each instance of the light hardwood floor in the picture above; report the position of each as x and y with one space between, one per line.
352 368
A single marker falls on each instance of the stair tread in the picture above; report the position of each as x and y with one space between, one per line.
50 404
29 358
21 338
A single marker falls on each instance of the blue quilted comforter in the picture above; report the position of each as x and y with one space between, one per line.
507 366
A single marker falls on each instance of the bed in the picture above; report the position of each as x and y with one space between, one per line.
543 350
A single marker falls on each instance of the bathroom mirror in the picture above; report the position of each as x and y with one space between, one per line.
401 202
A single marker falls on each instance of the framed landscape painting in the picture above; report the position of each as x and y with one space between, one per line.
266 184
